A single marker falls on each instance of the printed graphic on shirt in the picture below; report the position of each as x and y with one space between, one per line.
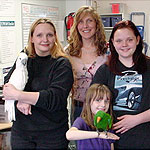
84 77
129 87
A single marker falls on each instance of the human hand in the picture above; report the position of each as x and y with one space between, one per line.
108 135
24 108
10 92
126 122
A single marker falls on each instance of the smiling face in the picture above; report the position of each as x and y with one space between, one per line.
101 103
43 39
125 43
87 27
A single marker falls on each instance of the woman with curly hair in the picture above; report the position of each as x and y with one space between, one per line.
87 51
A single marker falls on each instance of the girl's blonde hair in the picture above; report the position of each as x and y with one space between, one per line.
94 91
75 39
57 49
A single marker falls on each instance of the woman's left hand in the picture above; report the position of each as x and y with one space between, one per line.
125 123
10 92
24 108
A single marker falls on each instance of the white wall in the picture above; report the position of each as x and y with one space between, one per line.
74 5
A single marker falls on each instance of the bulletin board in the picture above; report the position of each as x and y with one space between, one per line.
31 12
7 44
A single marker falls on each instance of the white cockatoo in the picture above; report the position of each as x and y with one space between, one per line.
19 79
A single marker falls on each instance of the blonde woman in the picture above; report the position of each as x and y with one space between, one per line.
86 49
41 113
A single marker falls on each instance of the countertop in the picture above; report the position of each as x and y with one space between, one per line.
5 125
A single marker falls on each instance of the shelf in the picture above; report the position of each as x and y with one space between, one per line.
112 14
110 19
108 28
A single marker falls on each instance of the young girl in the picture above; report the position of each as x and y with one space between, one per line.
98 97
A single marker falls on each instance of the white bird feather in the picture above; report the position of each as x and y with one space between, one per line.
19 79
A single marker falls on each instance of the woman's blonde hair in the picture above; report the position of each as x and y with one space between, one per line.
57 49
75 39
95 91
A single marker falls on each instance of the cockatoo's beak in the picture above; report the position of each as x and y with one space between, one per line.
24 62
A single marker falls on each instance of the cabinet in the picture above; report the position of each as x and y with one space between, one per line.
109 20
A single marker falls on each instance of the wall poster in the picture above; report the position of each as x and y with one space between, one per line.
32 12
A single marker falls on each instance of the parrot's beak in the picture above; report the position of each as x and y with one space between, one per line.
23 62
98 119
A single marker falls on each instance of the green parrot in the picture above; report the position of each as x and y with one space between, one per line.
102 121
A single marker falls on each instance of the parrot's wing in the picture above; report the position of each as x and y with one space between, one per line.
110 122
19 78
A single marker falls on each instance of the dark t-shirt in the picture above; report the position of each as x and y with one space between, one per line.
131 95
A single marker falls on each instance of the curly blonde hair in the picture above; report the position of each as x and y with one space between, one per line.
75 39
57 49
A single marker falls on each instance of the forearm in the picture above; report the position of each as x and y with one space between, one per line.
74 134
80 135
11 93
143 117
27 97
112 146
